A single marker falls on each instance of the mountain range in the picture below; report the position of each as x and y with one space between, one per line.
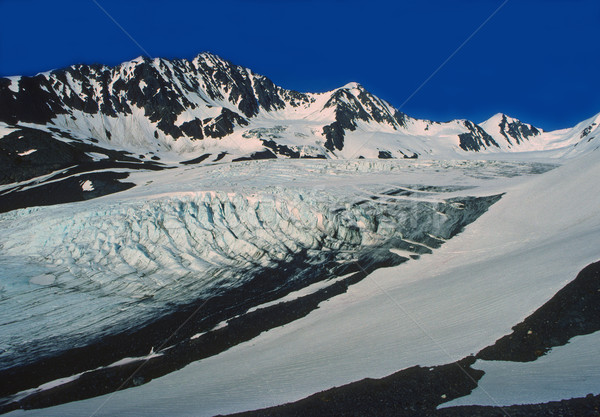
158 112
77 133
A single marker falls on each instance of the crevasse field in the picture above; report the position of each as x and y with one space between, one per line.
91 268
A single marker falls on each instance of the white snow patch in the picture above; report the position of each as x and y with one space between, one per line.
58 382
403 253
87 185
5 129
97 156
125 361
14 84
311 289
29 152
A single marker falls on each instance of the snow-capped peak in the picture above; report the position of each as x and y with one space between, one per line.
508 131
139 59
208 105
351 85
495 119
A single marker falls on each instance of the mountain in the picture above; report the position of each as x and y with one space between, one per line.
509 131
93 124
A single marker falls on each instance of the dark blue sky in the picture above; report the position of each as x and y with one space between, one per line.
537 60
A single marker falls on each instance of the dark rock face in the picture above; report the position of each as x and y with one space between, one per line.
575 407
516 130
196 160
587 131
476 139
34 102
49 155
350 108
335 136
19 163
66 190
418 391
52 166
413 156
193 129
414 391
266 154
163 89
281 149
223 124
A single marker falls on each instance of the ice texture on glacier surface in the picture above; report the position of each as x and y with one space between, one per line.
81 270
465 294
113 264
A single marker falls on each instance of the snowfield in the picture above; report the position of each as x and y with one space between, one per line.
568 371
443 306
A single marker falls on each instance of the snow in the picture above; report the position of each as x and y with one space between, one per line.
303 123
61 381
446 305
97 156
14 84
44 279
557 144
125 361
311 289
57 382
351 85
68 268
87 185
566 372
29 152
5 129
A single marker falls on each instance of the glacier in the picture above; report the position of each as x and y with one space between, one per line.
110 262
91 269
449 303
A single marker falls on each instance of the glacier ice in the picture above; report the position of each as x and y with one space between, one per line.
74 273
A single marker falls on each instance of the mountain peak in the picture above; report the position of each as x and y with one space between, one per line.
506 129
351 85
139 59
497 118
209 57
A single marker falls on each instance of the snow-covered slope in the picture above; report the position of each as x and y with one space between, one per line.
440 307
93 124
514 135
509 132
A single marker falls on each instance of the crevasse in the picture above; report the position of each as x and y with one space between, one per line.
73 278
